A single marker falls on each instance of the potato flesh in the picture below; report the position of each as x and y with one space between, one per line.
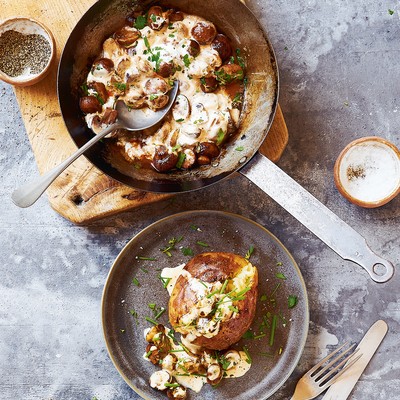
197 309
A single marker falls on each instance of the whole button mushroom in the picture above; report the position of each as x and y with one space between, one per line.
155 85
222 46
208 149
177 393
204 32
102 66
166 69
174 15
155 18
208 84
89 104
229 73
127 36
164 161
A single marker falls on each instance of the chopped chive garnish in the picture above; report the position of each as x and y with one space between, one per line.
165 281
204 284
280 275
265 354
122 330
260 336
135 282
233 308
279 264
152 305
239 148
133 312
223 287
212 294
176 351
263 297
276 288
202 244
280 350
248 360
144 270
171 385
273 329
145 258
249 252
202 375
193 227
292 301
151 320
161 312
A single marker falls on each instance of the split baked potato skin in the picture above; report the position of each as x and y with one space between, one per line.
212 267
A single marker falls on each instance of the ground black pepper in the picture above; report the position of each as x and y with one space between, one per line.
355 171
22 54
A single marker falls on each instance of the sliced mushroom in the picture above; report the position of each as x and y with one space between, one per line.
109 116
154 330
157 101
208 84
233 356
155 18
190 159
214 374
181 108
159 378
89 104
169 362
222 45
191 130
155 85
193 48
204 32
177 393
127 36
164 161
153 354
100 89
123 65
199 114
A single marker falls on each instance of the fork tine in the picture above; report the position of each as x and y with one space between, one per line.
313 369
335 360
340 373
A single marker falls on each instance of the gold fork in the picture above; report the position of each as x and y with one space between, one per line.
321 376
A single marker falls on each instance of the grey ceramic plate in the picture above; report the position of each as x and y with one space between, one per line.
123 331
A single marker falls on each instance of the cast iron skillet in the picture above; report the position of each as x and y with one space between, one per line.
230 17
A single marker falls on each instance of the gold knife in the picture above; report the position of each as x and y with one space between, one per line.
342 388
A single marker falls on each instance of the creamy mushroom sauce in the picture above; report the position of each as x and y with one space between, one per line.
187 353
197 116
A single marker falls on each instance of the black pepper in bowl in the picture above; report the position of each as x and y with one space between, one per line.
22 54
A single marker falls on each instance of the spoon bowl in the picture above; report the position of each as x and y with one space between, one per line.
129 119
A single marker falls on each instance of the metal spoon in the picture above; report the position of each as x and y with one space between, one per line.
132 120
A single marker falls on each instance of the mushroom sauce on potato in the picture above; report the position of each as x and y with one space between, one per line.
212 304
138 65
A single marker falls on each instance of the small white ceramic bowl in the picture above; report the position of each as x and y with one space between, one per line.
367 172
28 26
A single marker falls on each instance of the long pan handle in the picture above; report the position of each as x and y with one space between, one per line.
326 225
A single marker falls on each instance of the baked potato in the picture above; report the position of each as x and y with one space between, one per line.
214 300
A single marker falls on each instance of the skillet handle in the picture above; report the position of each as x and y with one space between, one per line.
326 225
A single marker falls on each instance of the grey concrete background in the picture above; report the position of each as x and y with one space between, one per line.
340 80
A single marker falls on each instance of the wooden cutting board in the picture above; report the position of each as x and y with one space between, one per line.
82 193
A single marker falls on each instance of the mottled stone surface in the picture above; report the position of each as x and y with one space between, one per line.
339 66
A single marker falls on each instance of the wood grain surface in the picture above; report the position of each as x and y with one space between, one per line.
82 193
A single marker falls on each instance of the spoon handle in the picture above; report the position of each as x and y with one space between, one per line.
27 194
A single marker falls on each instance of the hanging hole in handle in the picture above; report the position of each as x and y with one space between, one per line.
379 269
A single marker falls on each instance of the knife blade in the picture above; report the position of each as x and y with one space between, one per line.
342 388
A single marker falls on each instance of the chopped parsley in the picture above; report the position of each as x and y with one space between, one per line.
240 59
248 359
186 251
279 275
120 86
186 60
292 301
140 22
148 319
171 245
391 12
263 297
165 281
248 335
